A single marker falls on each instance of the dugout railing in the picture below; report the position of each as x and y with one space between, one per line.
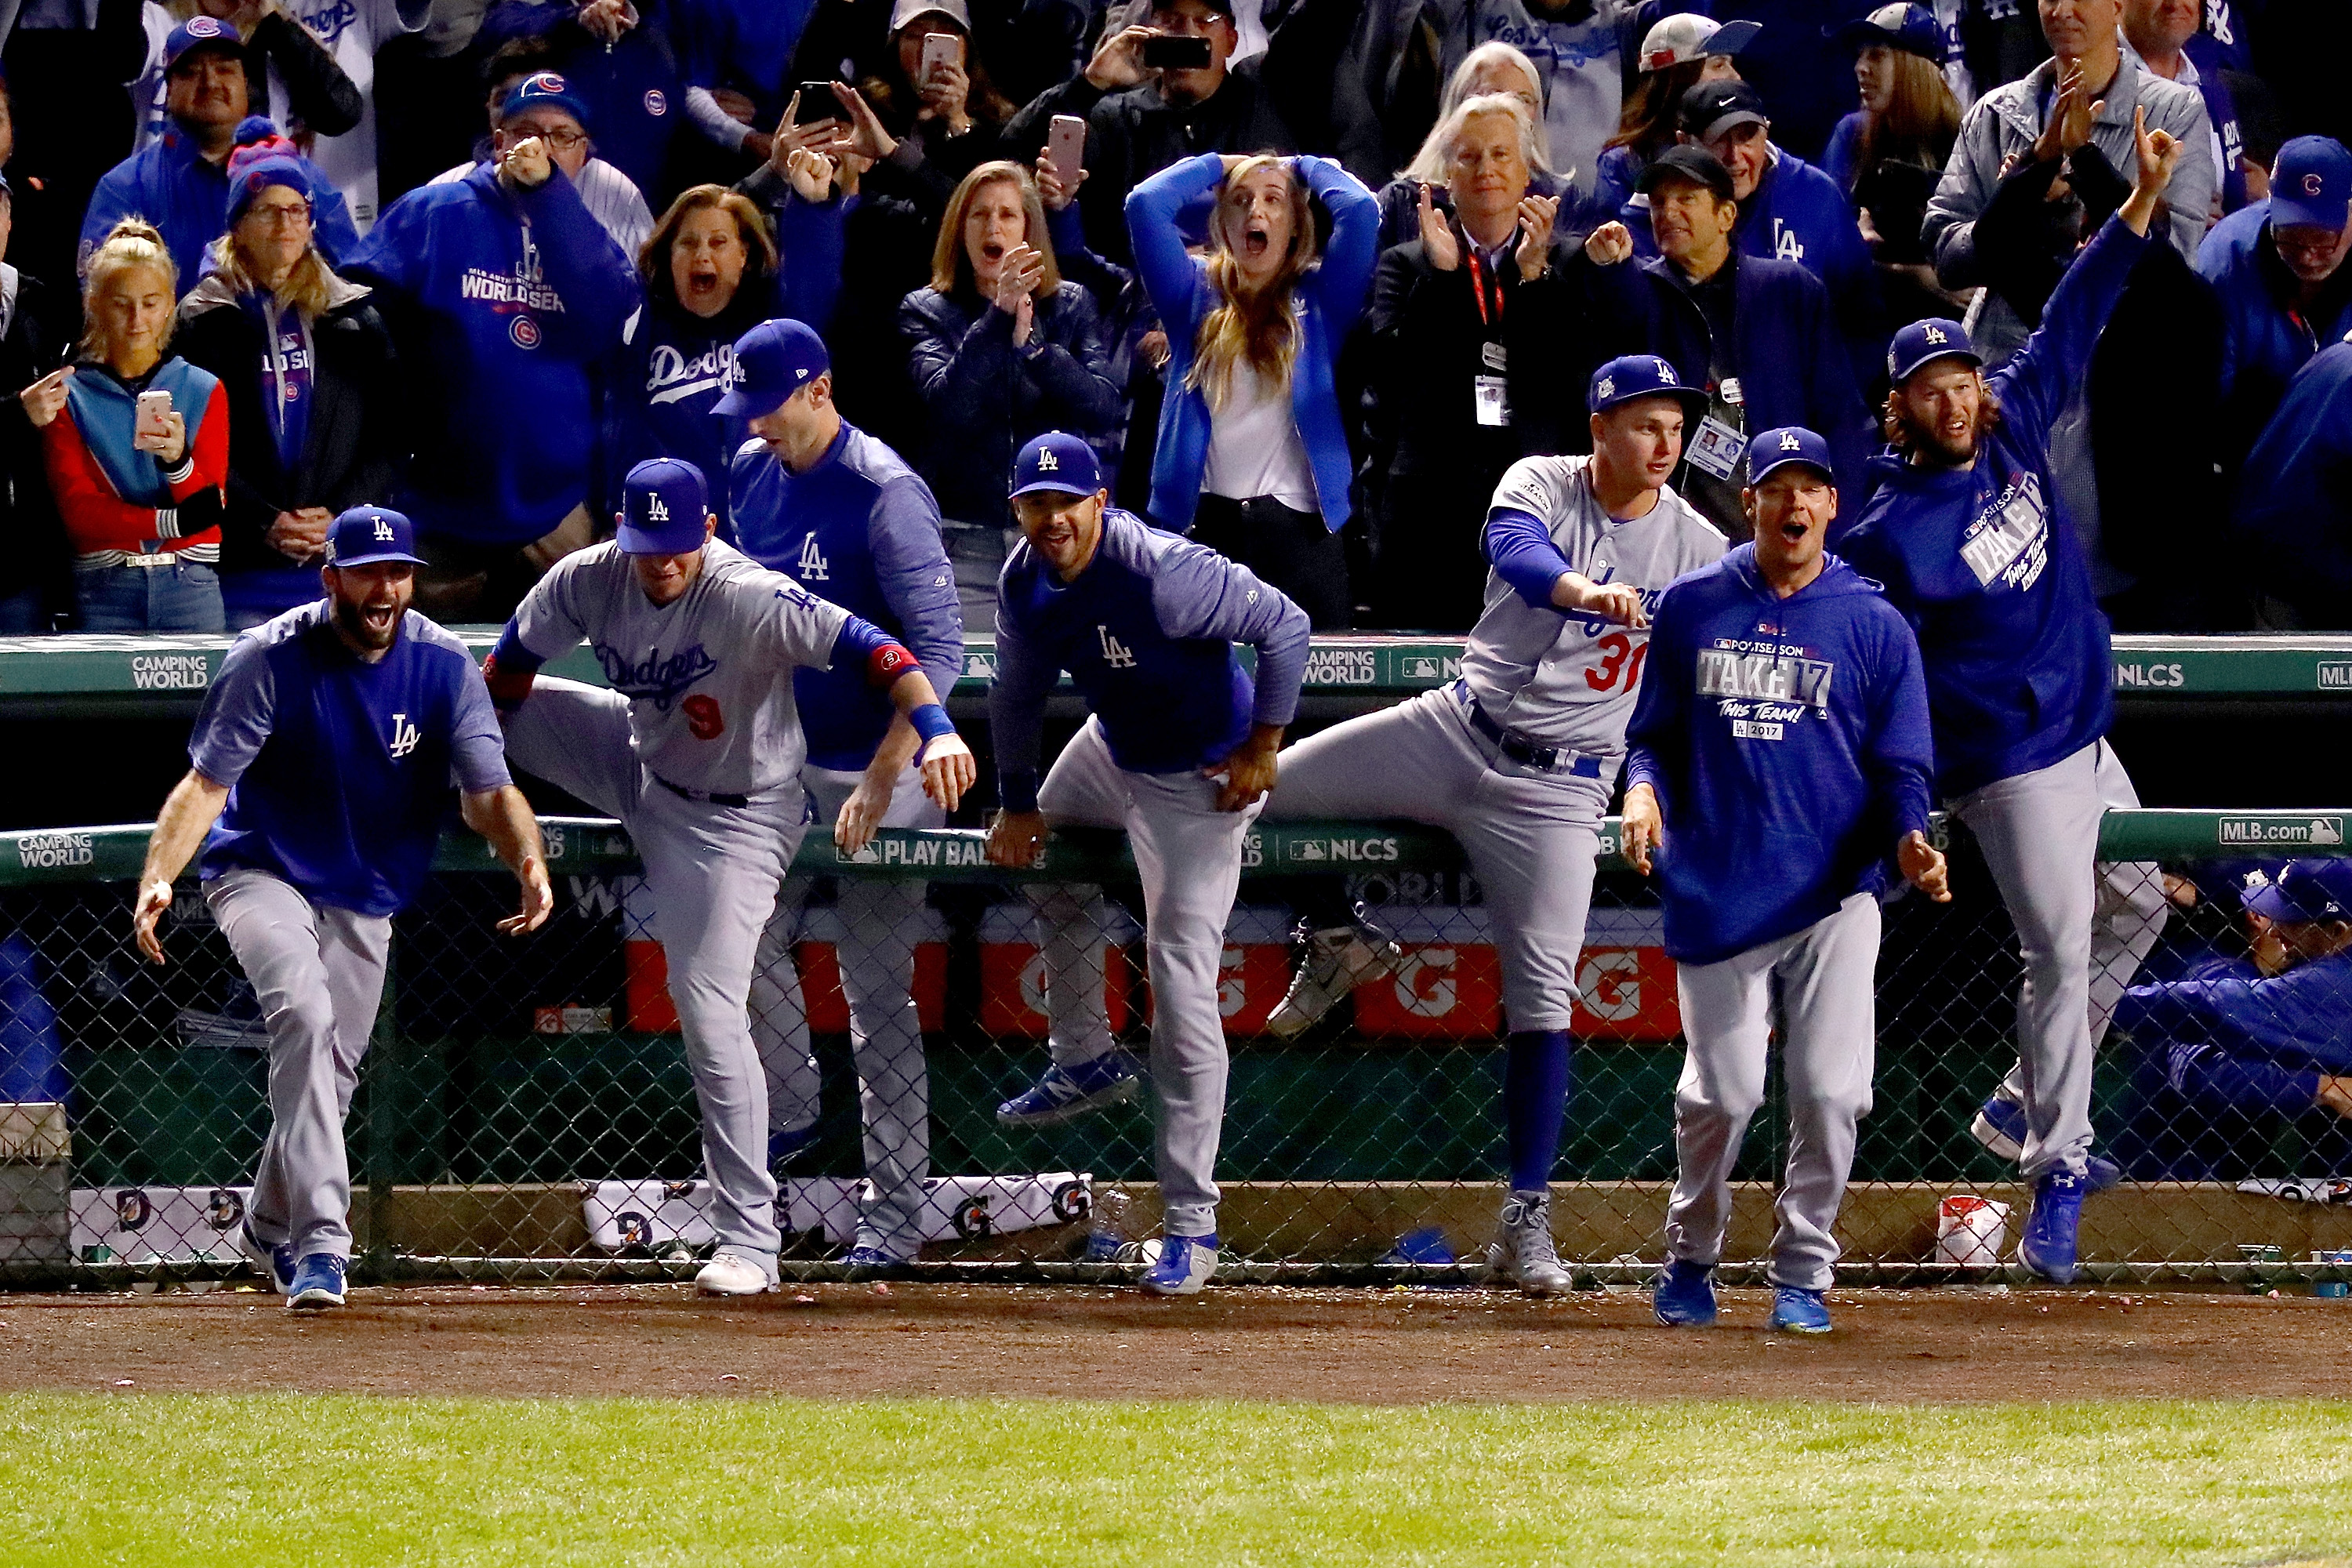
524 1110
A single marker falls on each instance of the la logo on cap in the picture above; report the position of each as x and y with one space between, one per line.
1666 373
1046 462
1936 336
1789 441
654 510
382 530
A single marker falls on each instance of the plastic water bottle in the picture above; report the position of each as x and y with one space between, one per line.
1108 1236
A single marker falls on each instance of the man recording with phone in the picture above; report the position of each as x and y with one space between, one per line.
1153 95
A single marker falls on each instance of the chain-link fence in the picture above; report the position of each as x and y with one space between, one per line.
525 1108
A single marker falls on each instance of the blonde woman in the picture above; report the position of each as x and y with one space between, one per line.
308 367
1002 347
1252 455
139 489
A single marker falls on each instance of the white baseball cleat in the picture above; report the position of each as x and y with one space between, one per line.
1522 1253
1338 960
730 1273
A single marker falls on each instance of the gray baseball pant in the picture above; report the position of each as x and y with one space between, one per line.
877 975
1189 855
318 973
713 871
1819 982
1531 836
2129 916
2040 835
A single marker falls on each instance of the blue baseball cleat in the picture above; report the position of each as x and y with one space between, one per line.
1685 1295
1063 1094
2000 1127
1186 1264
784 1148
275 1261
318 1283
2047 1244
1799 1310
864 1262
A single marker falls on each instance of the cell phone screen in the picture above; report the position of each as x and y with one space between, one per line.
817 102
1175 54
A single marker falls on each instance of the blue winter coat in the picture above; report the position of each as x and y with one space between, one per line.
170 185
505 304
2264 341
1792 367
2294 496
1329 299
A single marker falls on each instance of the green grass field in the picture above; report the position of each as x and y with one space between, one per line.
355 1480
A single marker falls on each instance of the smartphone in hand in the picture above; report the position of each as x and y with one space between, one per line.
940 50
1175 54
817 102
1066 144
149 420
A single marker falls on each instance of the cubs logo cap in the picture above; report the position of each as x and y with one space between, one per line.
1630 377
199 33
2311 183
2313 889
1938 337
664 505
772 361
1056 461
367 535
1778 448
543 89
1686 36
1911 28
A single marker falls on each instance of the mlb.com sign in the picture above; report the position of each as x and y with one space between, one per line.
2336 675
2274 832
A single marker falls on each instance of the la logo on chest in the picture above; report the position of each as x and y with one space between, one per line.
811 565
404 736
1115 652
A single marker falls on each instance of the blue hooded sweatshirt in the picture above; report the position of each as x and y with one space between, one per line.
505 303
2020 673
2246 1042
1329 299
1787 741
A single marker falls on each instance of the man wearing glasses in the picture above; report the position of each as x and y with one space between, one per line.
504 291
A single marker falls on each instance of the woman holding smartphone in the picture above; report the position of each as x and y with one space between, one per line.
1252 455
136 444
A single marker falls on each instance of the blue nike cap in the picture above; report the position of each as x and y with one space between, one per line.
1938 337
2312 890
663 505
1056 461
367 535
772 361
1778 448
1631 376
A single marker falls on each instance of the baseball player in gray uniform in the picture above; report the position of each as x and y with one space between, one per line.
1516 759
697 749
322 766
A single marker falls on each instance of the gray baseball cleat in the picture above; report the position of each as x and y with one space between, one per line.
1338 958
1522 1253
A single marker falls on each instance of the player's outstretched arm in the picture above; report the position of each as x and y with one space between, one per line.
189 812
504 817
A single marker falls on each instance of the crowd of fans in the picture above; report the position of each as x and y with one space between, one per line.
1309 275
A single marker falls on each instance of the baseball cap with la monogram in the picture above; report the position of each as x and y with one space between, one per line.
1778 448
1056 461
1629 376
1938 337
664 503
367 535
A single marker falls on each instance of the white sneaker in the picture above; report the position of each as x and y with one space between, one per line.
730 1273
1522 1253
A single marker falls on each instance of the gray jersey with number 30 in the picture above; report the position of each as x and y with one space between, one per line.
1570 679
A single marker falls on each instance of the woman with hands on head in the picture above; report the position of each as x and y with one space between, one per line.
1253 455
136 446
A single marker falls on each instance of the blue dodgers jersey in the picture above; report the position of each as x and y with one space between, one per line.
340 771
1788 742
861 531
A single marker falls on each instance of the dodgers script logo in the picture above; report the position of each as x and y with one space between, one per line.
670 375
329 22
660 681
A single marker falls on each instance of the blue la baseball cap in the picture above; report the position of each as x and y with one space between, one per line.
199 33
367 535
1056 461
2310 185
1778 448
664 505
544 89
2313 889
1630 376
1938 337
1911 28
772 361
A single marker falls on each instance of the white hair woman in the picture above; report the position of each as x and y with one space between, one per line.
1487 70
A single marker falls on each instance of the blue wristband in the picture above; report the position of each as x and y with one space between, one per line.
931 721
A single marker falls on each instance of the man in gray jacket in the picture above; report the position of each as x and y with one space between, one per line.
2006 124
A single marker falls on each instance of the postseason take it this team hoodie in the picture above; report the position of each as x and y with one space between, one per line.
508 301
1788 742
